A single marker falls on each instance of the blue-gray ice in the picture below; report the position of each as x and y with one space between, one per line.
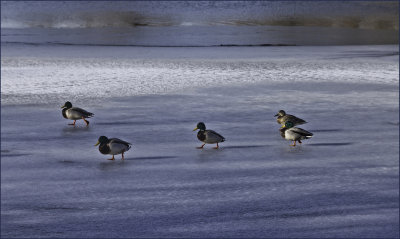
344 182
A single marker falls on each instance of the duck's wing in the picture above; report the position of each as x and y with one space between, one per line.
82 112
296 120
118 146
214 136
301 132
119 141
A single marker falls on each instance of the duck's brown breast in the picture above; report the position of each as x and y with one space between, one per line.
283 132
64 113
104 149
201 135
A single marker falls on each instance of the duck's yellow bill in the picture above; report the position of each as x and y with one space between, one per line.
195 129
97 143
63 106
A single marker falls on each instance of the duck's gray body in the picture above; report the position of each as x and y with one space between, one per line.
295 134
76 113
114 146
210 137
283 118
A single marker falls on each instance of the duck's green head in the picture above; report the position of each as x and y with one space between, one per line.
201 126
281 113
102 139
67 105
289 124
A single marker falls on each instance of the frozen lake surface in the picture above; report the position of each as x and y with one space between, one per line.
344 182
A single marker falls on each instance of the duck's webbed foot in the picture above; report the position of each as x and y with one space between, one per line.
111 158
201 146
294 144
73 123
216 147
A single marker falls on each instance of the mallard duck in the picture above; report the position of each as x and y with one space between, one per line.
208 136
112 146
75 113
289 132
283 118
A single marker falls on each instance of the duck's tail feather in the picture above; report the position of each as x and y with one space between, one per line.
302 122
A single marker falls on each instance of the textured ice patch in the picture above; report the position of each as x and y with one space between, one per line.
57 76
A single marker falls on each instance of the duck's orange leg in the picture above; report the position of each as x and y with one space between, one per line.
73 123
201 146
122 155
217 146
294 143
112 158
